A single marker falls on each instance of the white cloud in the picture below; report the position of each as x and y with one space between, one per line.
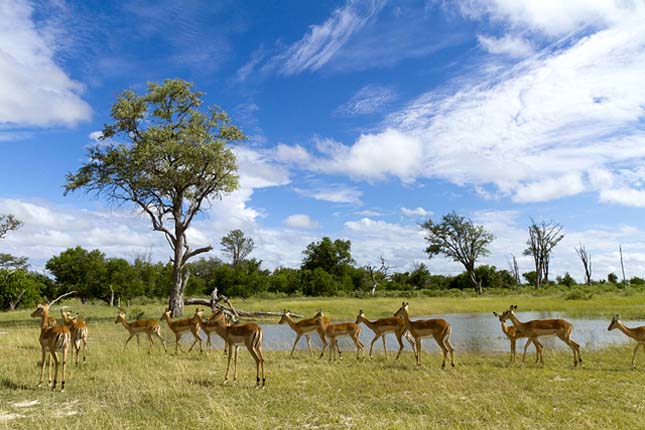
256 170
339 194
34 90
552 17
416 212
369 99
508 45
322 41
300 221
549 189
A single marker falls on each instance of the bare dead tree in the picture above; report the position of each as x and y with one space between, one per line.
585 257
514 269
543 238
622 266
377 274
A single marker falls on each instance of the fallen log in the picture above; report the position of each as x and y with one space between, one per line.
232 311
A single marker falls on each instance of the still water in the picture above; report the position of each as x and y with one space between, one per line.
471 332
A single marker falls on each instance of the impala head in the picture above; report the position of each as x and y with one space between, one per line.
40 311
218 317
498 316
614 322
360 316
403 310
319 314
166 314
120 317
199 314
285 316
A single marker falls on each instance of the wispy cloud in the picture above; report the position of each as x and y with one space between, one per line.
34 89
515 47
322 41
300 221
338 194
368 100
418 212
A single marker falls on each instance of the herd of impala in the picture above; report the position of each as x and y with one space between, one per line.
73 331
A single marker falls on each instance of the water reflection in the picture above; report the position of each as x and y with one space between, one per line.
471 332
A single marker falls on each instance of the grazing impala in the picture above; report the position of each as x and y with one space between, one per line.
383 326
316 324
250 334
536 328
52 338
439 329
334 331
513 334
135 328
181 326
636 333
78 329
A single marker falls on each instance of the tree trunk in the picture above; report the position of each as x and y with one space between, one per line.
477 285
176 302
111 296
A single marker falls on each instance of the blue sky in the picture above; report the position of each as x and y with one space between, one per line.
364 119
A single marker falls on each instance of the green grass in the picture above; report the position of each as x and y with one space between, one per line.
158 391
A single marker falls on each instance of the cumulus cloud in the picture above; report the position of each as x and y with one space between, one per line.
34 90
300 221
419 212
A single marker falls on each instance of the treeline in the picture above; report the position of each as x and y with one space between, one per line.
327 269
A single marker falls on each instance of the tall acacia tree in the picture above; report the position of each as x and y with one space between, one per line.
459 238
167 156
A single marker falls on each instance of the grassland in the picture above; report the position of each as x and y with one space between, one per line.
134 390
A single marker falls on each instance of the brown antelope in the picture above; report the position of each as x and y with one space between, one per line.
536 328
52 338
51 321
306 326
250 334
513 334
208 326
135 328
181 326
636 333
78 329
383 326
334 331
439 329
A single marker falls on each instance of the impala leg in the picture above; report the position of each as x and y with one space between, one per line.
451 350
372 344
308 343
42 367
384 346
400 341
417 352
138 342
298 335
359 346
513 343
62 376
163 341
237 349
150 342
324 342
84 349
55 357
634 355
228 365
444 349
128 340
574 347
177 346
526 346
49 369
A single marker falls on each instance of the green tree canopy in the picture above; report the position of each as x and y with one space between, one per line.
165 155
456 237
332 257
80 270
237 246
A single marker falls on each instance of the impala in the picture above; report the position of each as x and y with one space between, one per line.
636 333
78 330
317 323
181 326
52 338
383 326
249 334
439 329
334 331
536 328
208 326
135 328
51 321
513 334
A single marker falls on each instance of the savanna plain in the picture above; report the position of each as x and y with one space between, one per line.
137 390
